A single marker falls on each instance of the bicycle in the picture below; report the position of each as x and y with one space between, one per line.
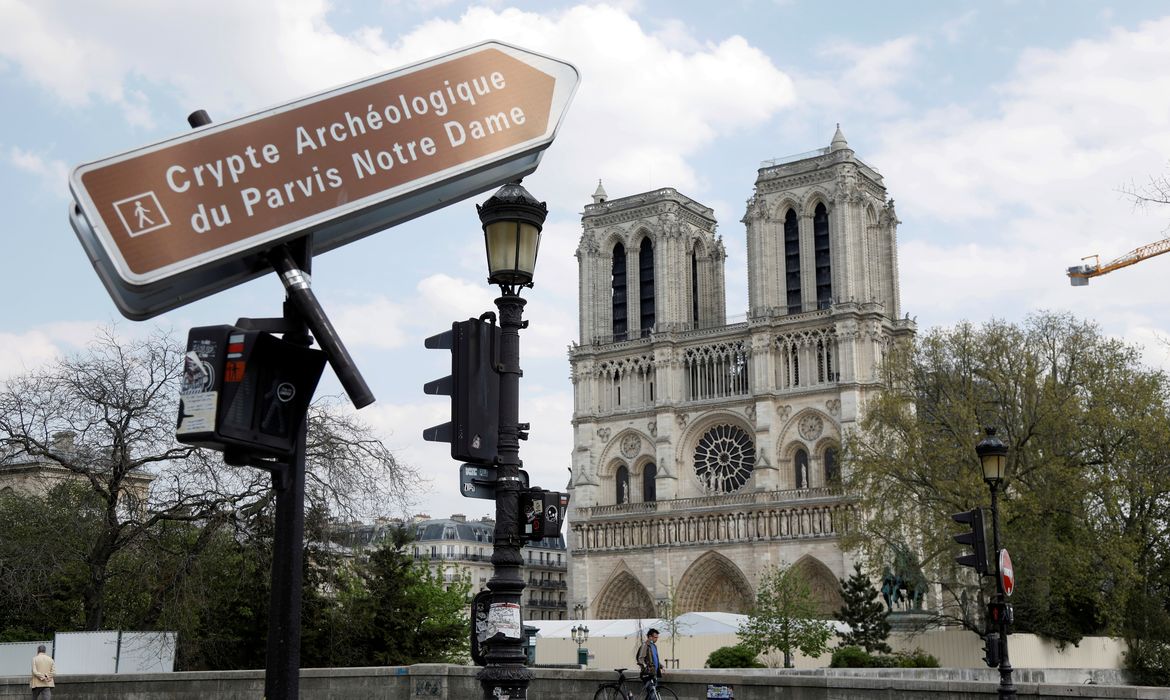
617 691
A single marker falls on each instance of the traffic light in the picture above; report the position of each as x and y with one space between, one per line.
474 388
245 390
976 539
1000 612
543 513
991 649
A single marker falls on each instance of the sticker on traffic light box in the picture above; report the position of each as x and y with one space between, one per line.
197 413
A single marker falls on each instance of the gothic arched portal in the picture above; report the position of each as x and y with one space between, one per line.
714 584
624 597
825 587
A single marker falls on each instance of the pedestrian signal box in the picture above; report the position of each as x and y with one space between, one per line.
245 389
543 513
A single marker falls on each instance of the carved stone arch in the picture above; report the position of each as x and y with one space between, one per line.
780 210
822 582
637 236
713 583
610 467
871 216
817 196
791 430
700 246
623 597
611 238
612 452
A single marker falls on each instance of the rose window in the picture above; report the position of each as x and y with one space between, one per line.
724 459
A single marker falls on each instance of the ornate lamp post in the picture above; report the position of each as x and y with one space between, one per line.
993 459
580 636
512 220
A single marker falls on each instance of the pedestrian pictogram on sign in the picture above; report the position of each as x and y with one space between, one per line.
141 214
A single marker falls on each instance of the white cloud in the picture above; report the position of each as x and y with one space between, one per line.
50 171
377 323
34 348
634 127
861 77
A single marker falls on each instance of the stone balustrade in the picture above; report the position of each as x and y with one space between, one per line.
737 518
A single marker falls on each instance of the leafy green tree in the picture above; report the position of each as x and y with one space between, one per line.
785 617
864 613
403 613
1085 509
738 656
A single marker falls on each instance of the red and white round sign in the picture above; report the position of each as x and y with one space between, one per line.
1006 572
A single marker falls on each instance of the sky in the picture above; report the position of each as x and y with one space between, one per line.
1007 132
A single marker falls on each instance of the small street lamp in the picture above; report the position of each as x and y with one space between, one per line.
580 636
993 460
512 220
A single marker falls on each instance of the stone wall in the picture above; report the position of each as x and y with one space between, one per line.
442 682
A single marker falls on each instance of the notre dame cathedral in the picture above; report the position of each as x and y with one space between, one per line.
706 448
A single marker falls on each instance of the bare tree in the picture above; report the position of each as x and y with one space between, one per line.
105 418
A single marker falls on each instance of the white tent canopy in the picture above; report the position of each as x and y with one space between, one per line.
689 624
692 623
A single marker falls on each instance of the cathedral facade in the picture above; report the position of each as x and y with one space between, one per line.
706 449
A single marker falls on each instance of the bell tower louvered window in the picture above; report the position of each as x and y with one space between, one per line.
619 292
792 261
821 253
646 287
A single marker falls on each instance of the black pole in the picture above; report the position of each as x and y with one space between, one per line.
283 662
1006 688
504 675
295 278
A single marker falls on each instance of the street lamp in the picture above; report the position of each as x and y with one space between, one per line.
512 220
993 460
580 636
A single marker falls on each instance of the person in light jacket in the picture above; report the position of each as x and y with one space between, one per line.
43 671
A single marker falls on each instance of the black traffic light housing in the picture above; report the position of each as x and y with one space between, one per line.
992 649
542 513
474 388
245 390
976 538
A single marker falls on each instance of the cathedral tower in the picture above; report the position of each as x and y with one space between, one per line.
705 451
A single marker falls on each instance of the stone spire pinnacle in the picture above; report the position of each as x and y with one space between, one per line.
599 194
839 143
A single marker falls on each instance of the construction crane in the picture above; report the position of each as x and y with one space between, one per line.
1079 275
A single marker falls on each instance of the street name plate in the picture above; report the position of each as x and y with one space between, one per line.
476 481
179 220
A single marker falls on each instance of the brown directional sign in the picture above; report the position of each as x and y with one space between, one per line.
175 221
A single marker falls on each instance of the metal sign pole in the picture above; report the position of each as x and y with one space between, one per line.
283 654
282 670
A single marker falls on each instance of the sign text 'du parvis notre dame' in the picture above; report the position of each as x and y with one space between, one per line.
376 152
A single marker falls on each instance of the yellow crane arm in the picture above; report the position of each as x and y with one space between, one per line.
1079 275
